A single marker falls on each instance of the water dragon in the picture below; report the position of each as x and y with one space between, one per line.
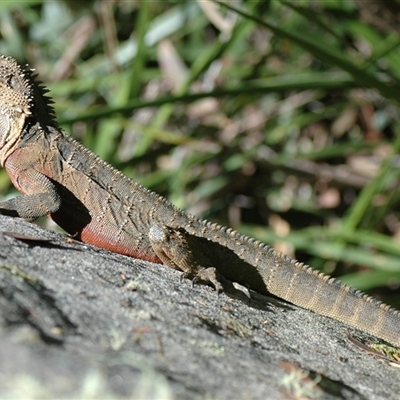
99 205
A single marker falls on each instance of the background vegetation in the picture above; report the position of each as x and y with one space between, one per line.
279 118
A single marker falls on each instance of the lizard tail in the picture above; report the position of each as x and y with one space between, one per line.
310 289
265 270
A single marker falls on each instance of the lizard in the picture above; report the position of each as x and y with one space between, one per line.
99 205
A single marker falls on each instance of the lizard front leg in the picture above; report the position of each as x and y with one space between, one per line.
179 250
40 196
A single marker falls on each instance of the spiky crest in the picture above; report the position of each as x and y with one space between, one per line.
22 92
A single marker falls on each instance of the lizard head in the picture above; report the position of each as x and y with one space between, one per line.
21 98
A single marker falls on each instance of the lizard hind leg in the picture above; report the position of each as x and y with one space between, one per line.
179 250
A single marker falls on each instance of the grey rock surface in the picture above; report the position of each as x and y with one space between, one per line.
80 322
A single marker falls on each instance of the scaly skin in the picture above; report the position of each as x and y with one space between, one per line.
99 205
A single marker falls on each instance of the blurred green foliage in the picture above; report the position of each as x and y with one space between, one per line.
279 118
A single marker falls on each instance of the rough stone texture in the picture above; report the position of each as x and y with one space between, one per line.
80 322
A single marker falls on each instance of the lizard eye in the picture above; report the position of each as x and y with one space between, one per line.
10 81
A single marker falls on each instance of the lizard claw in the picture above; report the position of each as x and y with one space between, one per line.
188 275
208 275
212 276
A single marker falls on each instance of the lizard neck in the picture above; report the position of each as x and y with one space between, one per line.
9 142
